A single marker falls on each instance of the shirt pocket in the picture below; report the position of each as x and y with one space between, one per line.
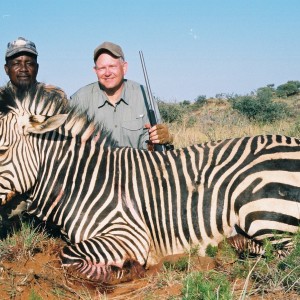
132 132
133 125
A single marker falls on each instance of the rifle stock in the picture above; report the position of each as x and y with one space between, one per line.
153 121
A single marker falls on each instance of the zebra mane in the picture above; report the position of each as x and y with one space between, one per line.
48 101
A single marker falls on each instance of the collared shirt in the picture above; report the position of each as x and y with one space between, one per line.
126 120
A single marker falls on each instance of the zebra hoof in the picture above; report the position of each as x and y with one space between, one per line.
105 274
131 270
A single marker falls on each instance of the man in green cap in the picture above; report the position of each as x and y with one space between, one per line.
22 67
120 104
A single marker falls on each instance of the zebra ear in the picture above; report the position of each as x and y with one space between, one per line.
41 124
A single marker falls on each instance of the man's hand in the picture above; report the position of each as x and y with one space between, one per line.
159 134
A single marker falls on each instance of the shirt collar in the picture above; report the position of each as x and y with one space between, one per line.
104 99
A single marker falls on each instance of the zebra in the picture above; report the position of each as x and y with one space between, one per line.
123 209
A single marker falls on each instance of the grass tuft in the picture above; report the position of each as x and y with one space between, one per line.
23 243
207 286
211 251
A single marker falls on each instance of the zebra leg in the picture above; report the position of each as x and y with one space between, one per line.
106 258
243 244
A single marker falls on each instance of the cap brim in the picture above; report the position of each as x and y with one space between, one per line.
16 51
99 51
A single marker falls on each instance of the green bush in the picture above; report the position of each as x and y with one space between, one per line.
181 265
200 100
171 112
207 286
268 91
288 89
175 112
185 103
260 107
211 251
290 267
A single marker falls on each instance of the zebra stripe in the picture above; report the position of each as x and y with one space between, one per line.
121 207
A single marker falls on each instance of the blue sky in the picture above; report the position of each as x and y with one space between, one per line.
190 47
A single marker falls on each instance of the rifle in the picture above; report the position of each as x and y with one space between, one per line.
151 107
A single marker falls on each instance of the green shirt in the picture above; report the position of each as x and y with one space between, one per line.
125 120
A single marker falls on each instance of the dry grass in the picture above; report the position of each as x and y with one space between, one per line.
217 120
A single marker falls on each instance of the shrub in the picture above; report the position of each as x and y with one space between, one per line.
23 243
185 102
170 112
267 91
181 265
200 100
288 89
176 112
206 286
260 107
291 267
211 251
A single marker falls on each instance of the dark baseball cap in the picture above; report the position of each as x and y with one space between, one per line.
114 49
20 45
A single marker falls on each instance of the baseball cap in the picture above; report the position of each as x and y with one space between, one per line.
20 45
114 49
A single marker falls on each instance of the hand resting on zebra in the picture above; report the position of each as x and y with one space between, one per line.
123 209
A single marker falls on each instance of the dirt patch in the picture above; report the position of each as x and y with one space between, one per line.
42 277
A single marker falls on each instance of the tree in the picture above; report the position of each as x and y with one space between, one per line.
288 89
185 102
265 92
260 107
201 99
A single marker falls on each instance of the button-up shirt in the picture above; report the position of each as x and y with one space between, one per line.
126 120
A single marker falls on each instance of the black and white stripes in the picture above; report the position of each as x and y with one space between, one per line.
123 206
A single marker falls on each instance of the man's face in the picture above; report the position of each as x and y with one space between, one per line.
110 71
22 71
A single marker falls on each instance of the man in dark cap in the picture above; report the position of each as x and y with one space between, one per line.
22 68
119 104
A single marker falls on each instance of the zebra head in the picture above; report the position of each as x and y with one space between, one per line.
26 121
20 123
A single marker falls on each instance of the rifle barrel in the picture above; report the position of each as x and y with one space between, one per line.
152 112
148 85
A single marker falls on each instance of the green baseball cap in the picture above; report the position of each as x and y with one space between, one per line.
20 45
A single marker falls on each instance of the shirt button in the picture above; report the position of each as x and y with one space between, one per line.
116 126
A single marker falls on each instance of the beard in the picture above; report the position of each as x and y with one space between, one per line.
23 85
23 88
